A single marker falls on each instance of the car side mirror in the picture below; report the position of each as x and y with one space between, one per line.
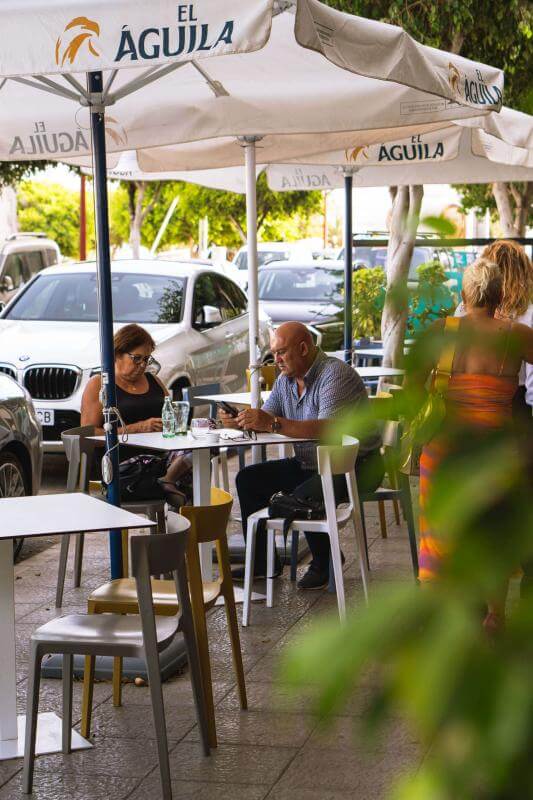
211 316
6 284
2 306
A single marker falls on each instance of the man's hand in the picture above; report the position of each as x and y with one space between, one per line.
227 420
254 419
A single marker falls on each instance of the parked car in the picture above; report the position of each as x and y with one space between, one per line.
49 333
309 293
20 444
268 252
367 257
22 255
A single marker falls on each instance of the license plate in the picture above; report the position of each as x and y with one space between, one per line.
46 416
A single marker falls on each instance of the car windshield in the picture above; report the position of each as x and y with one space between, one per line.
301 284
73 297
263 257
377 257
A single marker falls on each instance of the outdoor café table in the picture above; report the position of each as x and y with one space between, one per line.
368 352
43 515
201 464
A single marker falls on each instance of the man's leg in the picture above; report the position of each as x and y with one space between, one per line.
369 473
255 486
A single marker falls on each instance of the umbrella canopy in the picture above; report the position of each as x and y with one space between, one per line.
186 73
452 155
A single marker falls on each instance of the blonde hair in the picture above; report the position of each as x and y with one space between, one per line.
517 276
483 284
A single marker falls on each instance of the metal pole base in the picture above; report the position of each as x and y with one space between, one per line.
49 738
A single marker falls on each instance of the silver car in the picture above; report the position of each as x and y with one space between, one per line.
20 443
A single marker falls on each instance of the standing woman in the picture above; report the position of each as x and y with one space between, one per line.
488 356
516 304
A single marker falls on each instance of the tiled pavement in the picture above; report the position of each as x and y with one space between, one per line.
273 750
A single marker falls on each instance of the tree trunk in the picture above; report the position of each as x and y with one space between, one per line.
403 227
136 217
8 212
513 202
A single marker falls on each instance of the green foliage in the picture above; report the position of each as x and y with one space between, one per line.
51 208
281 215
12 172
368 297
431 299
422 653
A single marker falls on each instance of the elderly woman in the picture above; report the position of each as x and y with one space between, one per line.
140 397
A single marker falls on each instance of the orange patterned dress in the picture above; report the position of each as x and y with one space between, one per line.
476 402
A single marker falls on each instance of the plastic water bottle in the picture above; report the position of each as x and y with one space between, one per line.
167 418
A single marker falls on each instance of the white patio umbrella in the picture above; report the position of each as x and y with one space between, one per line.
186 72
456 154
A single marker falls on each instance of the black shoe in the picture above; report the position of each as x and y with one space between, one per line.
314 578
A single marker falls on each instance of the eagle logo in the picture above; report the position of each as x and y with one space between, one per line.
115 131
454 78
358 153
78 32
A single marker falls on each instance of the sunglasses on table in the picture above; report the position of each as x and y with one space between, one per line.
138 359
240 435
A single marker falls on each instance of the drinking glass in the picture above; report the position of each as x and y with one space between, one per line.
181 416
201 427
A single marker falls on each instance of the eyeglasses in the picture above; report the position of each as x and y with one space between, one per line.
137 359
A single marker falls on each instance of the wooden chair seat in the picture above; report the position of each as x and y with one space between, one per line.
120 597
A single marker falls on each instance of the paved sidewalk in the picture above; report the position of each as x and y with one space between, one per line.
273 750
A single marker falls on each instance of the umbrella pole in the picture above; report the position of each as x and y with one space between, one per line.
110 461
348 266
251 244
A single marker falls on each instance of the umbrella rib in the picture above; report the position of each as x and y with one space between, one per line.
109 84
49 86
218 89
73 82
147 77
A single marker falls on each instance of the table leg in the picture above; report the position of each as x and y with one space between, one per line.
8 665
12 727
201 466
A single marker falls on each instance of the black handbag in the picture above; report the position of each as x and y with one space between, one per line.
138 478
284 505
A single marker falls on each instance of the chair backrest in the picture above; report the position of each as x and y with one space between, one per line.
338 460
153 555
190 394
209 523
268 373
79 451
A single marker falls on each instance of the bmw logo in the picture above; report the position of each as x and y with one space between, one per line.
24 358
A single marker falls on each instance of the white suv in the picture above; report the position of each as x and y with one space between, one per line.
21 256
49 332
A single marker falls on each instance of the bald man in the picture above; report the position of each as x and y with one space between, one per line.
310 390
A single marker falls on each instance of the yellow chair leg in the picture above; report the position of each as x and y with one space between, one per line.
396 507
233 630
382 519
117 681
87 699
125 554
205 666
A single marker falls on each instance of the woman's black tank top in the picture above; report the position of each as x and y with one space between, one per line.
136 407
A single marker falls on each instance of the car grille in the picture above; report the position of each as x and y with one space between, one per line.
51 383
8 371
63 421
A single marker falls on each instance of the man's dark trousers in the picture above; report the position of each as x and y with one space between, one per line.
258 482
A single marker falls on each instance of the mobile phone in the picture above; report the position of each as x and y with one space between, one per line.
229 409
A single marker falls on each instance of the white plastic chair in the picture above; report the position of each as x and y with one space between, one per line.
331 461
